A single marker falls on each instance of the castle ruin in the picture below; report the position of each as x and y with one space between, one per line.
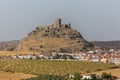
60 25
56 26
57 23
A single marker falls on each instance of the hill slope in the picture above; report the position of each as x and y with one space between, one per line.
9 45
56 37
107 44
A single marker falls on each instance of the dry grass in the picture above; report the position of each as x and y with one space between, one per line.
11 53
114 72
14 76
49 44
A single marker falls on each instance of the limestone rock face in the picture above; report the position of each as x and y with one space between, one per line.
57 37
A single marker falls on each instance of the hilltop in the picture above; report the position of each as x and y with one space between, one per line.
56 37
9 45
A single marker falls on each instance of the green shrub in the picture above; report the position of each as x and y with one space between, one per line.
77 76
106 76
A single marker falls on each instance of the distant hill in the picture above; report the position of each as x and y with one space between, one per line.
107 44
56 37
9 45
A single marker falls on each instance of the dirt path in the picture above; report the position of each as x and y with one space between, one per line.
14 76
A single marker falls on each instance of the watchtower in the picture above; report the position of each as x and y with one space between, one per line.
58 22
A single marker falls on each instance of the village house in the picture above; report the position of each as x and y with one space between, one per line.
89 77
86 77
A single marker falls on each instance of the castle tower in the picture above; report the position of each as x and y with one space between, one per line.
58 22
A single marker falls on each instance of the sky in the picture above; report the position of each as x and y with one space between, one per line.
96 20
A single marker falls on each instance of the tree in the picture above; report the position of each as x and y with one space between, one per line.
106 76
77 76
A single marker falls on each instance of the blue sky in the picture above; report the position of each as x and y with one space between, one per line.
94 19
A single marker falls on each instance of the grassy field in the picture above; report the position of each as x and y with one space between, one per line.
51 67
14 76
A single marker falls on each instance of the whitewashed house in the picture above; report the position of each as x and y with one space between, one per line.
86 77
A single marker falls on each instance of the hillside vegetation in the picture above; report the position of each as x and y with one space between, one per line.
51 67
46 45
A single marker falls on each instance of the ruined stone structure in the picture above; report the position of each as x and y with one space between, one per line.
57 23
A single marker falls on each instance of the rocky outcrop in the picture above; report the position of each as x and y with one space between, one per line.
56 37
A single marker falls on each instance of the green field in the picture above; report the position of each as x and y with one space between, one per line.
52 66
